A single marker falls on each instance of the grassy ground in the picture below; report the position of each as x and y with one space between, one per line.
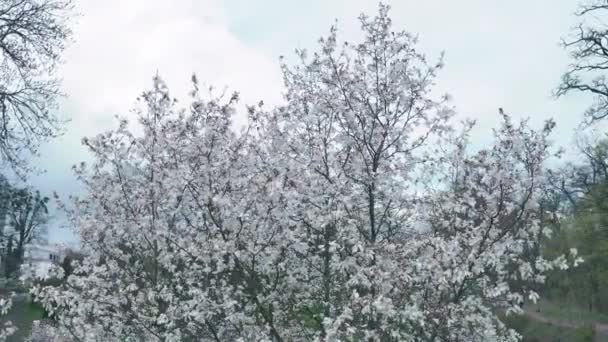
533 331
22 314
568 312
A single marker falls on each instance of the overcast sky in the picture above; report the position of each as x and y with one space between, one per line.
498 54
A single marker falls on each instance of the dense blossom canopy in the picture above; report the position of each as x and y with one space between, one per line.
355 212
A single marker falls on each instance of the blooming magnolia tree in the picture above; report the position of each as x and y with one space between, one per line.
355 212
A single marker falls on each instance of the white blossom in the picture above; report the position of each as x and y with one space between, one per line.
356 211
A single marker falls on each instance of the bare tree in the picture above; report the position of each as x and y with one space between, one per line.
27 215
588 48
575 180
33 34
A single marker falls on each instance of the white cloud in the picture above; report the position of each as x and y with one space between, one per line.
498 54
121 44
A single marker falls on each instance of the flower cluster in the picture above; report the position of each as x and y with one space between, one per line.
356 211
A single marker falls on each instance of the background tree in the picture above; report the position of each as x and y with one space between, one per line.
10 259
27 218
70 259
588 48
33 34
583 183
584 186
576 178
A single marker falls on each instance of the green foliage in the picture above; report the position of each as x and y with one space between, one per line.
585 334
576 297
22 314
586 229
310 316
